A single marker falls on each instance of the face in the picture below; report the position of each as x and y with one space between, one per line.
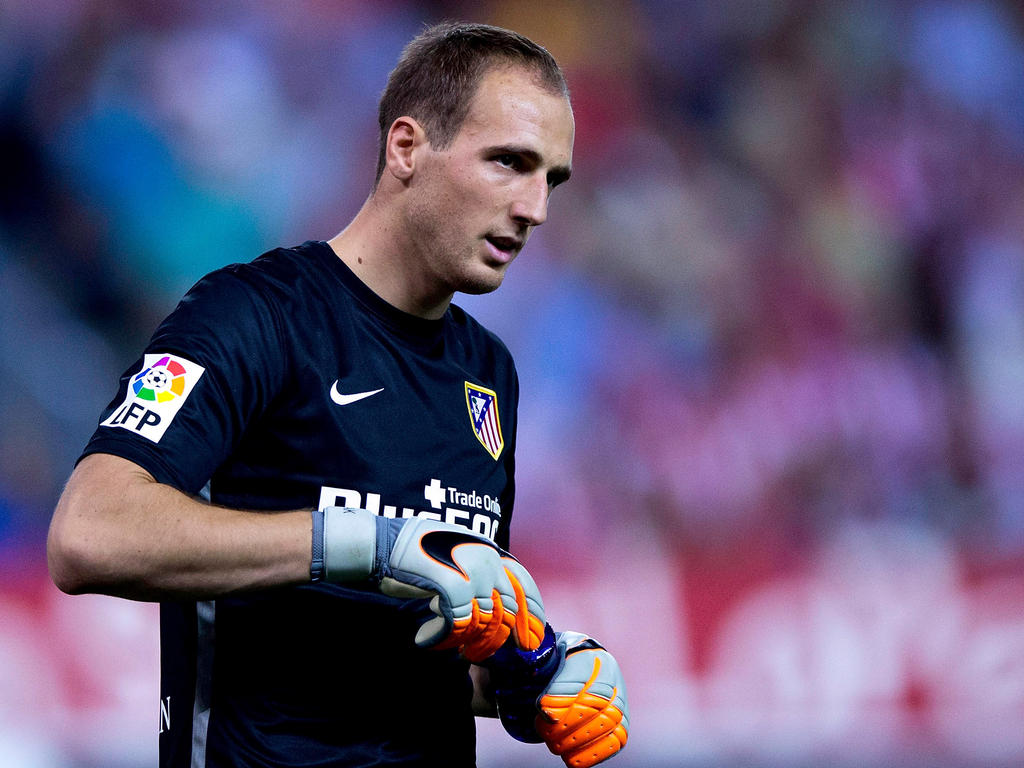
475 203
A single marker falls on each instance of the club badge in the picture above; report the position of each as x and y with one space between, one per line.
483 417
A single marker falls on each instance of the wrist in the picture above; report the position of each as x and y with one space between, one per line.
518 679
512 667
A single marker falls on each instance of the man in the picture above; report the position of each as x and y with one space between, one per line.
337 377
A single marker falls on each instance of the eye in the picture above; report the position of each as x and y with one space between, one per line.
510 161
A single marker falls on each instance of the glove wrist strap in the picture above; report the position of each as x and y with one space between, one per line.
349 544
316 566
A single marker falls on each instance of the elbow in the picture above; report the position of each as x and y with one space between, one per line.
70 564
88 540
76 561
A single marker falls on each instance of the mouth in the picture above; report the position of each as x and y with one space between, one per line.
503 248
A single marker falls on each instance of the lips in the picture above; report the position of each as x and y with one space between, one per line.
504 248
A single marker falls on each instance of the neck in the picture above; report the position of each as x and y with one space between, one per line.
377 249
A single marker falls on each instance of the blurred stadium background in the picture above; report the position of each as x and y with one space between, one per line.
771 345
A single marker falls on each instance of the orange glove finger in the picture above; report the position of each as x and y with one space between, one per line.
528 629
493 631
462 628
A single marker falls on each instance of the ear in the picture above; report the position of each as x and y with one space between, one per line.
405 139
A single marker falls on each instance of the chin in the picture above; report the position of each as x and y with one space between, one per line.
476 288
489 281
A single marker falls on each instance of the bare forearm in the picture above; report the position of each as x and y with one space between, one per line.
116 531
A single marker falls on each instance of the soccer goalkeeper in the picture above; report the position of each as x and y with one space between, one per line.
282 394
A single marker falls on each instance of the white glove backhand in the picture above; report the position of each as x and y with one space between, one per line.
480 593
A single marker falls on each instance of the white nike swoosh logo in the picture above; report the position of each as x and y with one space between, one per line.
341 399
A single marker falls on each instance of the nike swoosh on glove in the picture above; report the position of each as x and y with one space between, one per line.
584 710
481 594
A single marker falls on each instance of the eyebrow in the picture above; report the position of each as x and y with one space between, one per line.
556 175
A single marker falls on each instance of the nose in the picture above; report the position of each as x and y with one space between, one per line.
530 205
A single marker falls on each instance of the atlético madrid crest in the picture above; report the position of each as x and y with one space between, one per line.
483 415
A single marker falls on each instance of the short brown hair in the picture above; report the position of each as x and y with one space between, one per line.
439 71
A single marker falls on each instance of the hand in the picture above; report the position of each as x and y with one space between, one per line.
568 693
481 595
584 711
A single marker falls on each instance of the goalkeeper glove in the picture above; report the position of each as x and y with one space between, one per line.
569 693
481 594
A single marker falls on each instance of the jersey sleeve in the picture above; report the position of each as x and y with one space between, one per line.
210 369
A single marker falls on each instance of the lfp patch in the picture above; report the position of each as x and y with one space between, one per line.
155 395
483 415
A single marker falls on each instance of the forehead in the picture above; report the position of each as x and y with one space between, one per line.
510 107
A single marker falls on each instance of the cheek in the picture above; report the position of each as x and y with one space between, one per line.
472 188
462 196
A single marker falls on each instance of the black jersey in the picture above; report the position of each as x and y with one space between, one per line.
286 383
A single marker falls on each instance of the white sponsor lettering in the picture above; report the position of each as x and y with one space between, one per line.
165 714
479 522
454 516
472 499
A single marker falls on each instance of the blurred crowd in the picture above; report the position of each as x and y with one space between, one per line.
784 287
784 290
